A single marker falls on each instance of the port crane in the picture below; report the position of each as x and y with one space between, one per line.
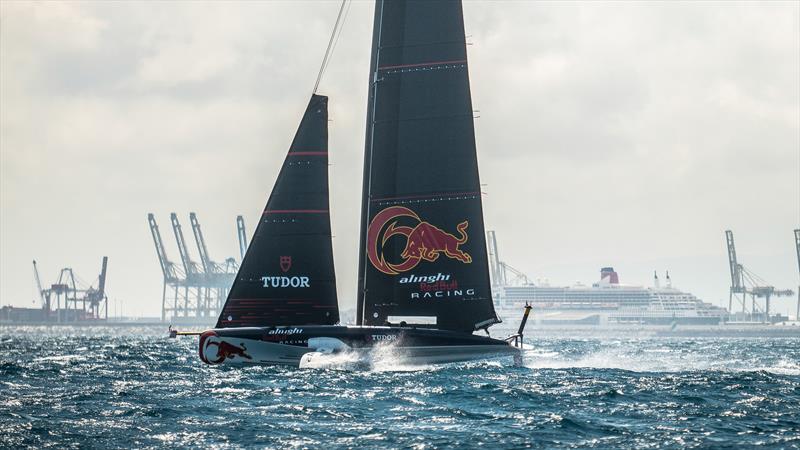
744 282
44 295
242 235
210 267
95 301
500 270
193 289
173 275
797 248
193 271
217 276
92 304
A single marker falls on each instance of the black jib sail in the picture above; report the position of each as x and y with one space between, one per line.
423 250
287 275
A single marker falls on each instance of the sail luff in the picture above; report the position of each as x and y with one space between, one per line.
373 78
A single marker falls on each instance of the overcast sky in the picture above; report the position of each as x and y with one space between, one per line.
622 134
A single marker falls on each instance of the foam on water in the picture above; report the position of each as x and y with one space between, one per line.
660 355
384 357
105 387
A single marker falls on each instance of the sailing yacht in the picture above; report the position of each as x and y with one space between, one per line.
423 279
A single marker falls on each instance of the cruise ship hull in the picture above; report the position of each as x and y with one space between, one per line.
609 303
544 316
306 346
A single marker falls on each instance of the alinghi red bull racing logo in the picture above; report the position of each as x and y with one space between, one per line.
423 241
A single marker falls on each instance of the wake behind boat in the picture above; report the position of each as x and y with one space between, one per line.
423 285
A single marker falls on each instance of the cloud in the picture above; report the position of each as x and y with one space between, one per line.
615 133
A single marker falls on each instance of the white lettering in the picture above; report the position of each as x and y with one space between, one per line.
384 337
284 282
424 279
445 293
286 331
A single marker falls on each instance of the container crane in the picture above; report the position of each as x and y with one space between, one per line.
44 295
65 289
797 248
500 270
194 271
192 289
745 282
171 273
195 278
495 266
737 280
218 276
209 266
240 232
519 277
97 299
79 304
230 267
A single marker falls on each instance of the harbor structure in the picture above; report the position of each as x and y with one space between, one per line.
193 291
745 283
797 249
65 301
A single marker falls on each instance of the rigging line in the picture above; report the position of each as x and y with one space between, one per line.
330 44
338 34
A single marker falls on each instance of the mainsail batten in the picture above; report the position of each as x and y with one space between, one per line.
287 275
422 216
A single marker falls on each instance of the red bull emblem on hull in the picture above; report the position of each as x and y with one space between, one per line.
423 241
225 350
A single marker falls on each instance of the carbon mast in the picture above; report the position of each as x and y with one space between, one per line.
373 84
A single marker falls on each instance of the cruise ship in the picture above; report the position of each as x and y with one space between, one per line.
607 303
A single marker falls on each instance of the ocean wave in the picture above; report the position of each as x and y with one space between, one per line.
87 389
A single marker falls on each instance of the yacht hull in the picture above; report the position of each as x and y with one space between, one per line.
295 345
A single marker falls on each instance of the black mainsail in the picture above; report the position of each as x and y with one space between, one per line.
423 250
287 275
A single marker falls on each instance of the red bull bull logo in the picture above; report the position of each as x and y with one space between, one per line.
424 241
209 342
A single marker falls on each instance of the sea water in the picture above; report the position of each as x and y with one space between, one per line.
135 388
